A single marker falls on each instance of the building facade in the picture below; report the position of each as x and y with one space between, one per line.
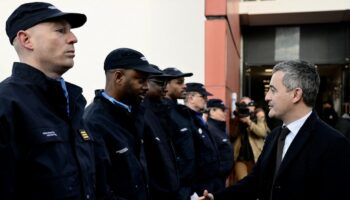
245 39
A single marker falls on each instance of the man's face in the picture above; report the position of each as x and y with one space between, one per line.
134 86
176 88
156 88
198 101
218 114
52 45
279 98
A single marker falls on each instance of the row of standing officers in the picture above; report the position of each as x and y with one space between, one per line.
156 148
133 142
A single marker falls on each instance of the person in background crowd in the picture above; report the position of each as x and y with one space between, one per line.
328 114
343 124
183 131
164 180
251 129
122 170
216 121
45 152
207 155
303 159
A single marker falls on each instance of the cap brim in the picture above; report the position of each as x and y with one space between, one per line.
221 106
146 69
162 76
183 75
208 93
74 19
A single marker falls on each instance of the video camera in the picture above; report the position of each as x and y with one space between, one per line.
242 110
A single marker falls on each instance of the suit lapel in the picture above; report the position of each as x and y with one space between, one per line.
299 141
269 151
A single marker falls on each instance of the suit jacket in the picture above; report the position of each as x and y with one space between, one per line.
316 166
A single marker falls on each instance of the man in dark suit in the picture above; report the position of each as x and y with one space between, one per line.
315 158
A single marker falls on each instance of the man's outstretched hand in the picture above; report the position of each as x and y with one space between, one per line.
206 196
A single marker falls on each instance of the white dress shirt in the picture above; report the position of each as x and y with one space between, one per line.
294 128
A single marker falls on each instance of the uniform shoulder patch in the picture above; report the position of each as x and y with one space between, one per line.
84 135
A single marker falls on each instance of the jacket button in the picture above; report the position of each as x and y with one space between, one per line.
136 186
87 196
70 188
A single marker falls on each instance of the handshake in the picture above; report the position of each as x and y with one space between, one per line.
206 196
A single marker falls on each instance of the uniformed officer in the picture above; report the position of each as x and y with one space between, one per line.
159 148
207 155
216 121
184 129
45 152
122 170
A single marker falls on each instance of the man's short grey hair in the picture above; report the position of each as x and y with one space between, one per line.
300 74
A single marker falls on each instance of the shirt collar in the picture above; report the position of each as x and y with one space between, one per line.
116 102
295 126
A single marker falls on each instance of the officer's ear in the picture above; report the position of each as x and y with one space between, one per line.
23 39
115 76
297 95
119 75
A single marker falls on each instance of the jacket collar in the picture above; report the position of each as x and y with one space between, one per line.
29 73
219 124
35 76
51 88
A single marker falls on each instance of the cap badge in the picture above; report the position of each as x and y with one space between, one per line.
52 7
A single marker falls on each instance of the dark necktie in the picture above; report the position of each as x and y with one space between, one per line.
280 145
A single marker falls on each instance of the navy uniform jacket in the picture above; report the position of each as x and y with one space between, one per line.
44 154
184 147
159 149
316 166
122 170
207 157
218 131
